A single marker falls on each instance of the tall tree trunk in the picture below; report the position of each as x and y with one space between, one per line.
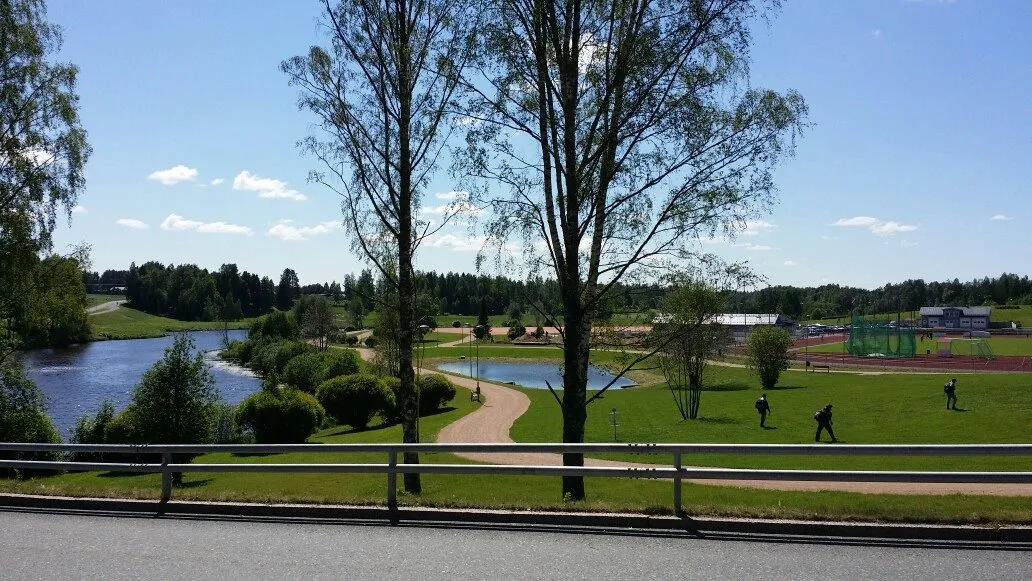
575 381
406 288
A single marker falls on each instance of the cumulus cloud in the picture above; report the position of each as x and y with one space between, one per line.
791 263
216 181
175 222
266 187
174 175
856 221
79 209
132 223
452 195
456 242
889 228
876 226
287 230
1001 217
756 247
756 227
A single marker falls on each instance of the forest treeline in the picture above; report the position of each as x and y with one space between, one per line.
191 293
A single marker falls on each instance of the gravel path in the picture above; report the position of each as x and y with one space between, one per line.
104 307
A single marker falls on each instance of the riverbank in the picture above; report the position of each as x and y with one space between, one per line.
127 323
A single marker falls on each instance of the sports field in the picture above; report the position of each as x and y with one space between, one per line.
1003 346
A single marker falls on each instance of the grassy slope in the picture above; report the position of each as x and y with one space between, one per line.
1021 315
126 323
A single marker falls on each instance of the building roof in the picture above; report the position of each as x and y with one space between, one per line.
965 311
737 319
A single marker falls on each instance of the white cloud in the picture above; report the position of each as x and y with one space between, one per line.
756 227
266 187
791 263
457 243
132 223
452 195
907 244
174 175
176 222
216 181
286 230
1001 217
857 221
889 228
877 227
79 209
757 247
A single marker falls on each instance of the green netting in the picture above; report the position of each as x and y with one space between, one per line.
972 348
868 338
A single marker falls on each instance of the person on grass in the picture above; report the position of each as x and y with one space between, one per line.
823 417
763 407
951 393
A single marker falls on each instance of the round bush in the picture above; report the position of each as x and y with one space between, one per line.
370 342
434 392
303 372
288 351
517 330
338 362
351 340
286 417
353 400
122 429
263 359
456 324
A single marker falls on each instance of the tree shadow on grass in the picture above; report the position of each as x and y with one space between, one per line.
721 420
726 387
786 387
438 411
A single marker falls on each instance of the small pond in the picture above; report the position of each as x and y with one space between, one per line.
532 375
78 379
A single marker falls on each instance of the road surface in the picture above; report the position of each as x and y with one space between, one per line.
104 307
56 546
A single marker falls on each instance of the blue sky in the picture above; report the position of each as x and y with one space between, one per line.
918 163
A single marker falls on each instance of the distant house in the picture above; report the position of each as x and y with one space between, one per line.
741 324
955 317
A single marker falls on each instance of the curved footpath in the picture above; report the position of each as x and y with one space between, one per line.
491 423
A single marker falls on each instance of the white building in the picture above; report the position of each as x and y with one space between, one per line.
955 317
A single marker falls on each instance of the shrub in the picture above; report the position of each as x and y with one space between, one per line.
224 426
434 391
274 326
122 428
339 362
768 351
31 426
354 399
539 332
288 351
303 372
285 416
370 342
264 359
456 324
92 430
234 351
351 340
517 330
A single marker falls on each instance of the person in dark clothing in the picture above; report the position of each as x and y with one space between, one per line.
951 393
823 417
763 407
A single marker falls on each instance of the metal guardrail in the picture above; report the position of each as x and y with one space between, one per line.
675 471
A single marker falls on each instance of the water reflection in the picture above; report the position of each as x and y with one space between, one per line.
532 375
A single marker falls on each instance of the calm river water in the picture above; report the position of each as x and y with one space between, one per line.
77 380
530 374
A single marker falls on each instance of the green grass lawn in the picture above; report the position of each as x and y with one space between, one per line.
1014 346
1023 315
869 409
126 323
94 300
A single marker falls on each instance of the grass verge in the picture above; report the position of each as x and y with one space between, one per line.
126 323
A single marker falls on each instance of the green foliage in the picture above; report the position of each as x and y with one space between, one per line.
315 316
289 350
274 326
53 313
351 341
286 416
339 362
122 429
22 415
174 400
434 392
93 430
370 341
304 372
225 429
768 352
354 399
517 330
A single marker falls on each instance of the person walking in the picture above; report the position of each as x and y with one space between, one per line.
763 406
823 417
951 393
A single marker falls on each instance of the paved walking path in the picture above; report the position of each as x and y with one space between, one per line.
104 307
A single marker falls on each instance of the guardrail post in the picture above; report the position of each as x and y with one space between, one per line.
166 477
392 480
677 484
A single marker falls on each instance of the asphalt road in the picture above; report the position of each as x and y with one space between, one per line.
58 546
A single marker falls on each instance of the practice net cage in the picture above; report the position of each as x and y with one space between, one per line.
878 339
972 348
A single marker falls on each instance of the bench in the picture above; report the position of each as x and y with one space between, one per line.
815 367
474 395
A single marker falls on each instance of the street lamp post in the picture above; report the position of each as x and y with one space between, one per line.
477 330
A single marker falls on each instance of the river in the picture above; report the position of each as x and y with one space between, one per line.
78 379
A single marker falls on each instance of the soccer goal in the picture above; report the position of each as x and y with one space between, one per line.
972 348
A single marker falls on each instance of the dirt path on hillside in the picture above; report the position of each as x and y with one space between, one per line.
104 307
